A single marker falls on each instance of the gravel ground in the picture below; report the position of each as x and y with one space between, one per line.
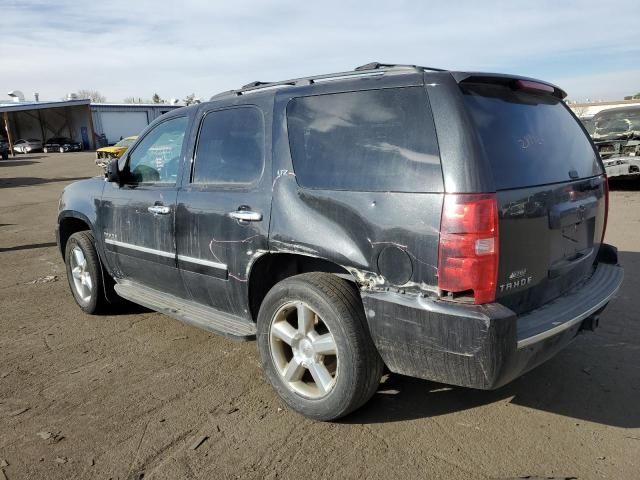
138 394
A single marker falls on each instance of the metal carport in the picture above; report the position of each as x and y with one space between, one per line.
69 118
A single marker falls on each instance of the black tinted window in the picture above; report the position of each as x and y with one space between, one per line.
230 147
377 140
529 139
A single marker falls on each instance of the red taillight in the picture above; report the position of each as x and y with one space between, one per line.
606 206
468 250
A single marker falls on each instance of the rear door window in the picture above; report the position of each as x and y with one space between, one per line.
374 140
230 147
529 139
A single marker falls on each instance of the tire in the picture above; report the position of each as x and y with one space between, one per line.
89 297
5 155
336 310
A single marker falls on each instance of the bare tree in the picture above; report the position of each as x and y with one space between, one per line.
191 99
157 99
136 100
93 95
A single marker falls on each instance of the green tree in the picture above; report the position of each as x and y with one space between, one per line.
157 98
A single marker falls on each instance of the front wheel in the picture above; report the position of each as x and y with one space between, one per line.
84 272
315 346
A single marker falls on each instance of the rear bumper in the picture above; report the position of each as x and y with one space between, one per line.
481 346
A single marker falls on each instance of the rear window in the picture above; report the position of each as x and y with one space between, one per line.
529 139
374 140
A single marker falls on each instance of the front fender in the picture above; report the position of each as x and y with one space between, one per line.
80 201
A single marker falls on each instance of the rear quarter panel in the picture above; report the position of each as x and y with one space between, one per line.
351 228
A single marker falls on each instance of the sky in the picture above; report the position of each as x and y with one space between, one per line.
177 47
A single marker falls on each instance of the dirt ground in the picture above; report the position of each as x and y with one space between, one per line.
131 395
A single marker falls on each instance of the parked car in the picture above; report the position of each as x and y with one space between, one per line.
617 137
448 225
104 154
27 145
588 124
62 145
4 149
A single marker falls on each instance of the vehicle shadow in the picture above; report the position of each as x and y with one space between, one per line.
27 247
616 184
16 163
594 379
12 182
124 307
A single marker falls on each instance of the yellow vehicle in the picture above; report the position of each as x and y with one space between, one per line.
104 154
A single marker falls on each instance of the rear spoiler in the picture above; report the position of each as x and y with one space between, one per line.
514 81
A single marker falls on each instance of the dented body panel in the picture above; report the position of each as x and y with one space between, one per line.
354 228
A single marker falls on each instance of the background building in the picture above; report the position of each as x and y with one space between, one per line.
92 124
44 120
119 120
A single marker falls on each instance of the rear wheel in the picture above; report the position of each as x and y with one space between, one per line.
84 272
315 346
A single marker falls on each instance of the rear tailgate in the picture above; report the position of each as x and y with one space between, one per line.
550 189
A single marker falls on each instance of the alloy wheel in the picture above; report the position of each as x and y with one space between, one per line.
82 281
303 350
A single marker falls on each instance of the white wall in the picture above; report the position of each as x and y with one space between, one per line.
117 125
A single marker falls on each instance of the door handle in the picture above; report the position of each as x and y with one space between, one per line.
246 216
159 209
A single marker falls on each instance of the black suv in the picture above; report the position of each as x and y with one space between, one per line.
446 225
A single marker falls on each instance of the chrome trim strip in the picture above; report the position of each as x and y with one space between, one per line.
139 248
184 258
199 261
566 325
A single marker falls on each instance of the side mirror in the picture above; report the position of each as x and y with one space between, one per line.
112 174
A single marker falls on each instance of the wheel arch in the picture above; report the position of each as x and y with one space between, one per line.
70 222
271 268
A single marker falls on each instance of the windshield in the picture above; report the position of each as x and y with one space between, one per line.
125 142
529 139
621 123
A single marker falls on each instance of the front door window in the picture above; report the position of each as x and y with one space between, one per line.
156 158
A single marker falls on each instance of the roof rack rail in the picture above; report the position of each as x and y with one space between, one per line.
378 66
370 69
257 83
